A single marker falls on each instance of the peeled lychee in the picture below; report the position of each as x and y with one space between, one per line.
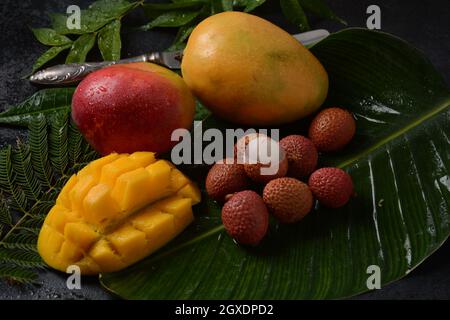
302 155
332 129
263 158
242 143
225 178
245 217
333 187
288 199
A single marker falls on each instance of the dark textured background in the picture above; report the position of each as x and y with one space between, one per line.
425 24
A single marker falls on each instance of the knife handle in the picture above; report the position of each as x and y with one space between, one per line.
71 73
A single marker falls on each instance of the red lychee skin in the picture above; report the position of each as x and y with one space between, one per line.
332 129
245 217
302 155
132 107
333 187
224 179
288 199
253 171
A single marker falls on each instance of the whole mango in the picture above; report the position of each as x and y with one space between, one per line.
249 71
116 211
132 107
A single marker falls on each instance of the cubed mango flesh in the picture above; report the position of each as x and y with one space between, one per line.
116 211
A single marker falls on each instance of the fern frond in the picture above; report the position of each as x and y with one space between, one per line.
41 208
22 240
31 176
25 177
32 229
80 152
21 258
88 156
5 214
8 181
34 222
58 143
76 143
39 150
17 274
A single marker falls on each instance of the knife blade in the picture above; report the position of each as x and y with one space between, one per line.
71 73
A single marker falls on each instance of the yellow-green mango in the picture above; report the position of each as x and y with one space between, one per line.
249 71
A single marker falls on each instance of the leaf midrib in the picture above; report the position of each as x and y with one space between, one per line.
444 105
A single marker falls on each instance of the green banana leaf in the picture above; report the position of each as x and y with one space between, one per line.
399 162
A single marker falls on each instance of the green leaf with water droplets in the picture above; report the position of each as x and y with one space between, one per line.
154 10
321 10
49 37
49 55
180 40
248 5
101 14
218 6
80 48
97 15
48 102
177 14
109 41
293 11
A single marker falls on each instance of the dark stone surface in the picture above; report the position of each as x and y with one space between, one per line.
424 24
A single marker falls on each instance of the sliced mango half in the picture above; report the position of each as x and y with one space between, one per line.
116 211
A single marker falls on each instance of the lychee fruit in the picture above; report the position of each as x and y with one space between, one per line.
288 199
245 217
263 158
332 129
255 171
301 154
333 187
225 178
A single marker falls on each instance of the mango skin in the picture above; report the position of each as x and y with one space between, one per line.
132 107
251 72
116 211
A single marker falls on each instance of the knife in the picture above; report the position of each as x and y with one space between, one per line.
71 73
